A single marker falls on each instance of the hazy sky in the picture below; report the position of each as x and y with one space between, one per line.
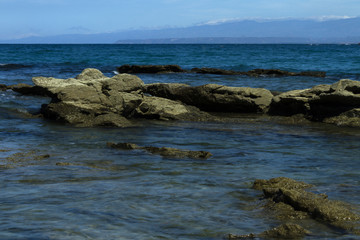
20 18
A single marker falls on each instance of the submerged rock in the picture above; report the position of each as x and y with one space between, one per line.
24 158
163 151
317 206
284 231
215 98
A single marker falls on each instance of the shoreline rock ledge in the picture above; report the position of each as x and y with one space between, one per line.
92 99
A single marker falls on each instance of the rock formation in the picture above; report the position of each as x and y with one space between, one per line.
215 98
92 99
338 103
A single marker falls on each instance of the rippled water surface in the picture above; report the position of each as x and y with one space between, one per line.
61 182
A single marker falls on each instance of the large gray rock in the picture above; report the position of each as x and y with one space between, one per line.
166 109
92 99
214 97
334 103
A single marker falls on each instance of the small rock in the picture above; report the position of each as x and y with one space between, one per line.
163 151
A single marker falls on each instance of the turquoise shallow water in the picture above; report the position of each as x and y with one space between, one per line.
86 190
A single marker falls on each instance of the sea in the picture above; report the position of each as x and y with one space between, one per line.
62 182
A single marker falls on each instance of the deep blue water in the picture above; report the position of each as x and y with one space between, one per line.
111 194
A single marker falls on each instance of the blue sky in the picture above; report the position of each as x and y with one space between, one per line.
19 18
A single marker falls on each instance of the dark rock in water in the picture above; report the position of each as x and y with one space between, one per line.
318 206
27 89
215 98
284 231
269 72
11 66
282 73
3 87
163 151
205 70
258 72
319 74
150 69
215 71
123 146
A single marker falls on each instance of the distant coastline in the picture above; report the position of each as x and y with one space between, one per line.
241 40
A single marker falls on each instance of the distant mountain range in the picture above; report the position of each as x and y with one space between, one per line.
345 30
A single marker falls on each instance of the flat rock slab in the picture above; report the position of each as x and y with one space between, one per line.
163 151
292 193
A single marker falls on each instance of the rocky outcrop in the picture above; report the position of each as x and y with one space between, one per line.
215 98
163 151
337 103
291 193
149 69
92 99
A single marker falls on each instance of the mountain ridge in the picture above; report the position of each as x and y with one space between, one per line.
345 30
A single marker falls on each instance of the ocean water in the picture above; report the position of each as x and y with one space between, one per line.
62 182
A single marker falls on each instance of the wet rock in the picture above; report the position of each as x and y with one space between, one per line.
163 151
317 206
150 69
215 98
336 103
284 231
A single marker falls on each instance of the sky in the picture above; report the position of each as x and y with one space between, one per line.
22 18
